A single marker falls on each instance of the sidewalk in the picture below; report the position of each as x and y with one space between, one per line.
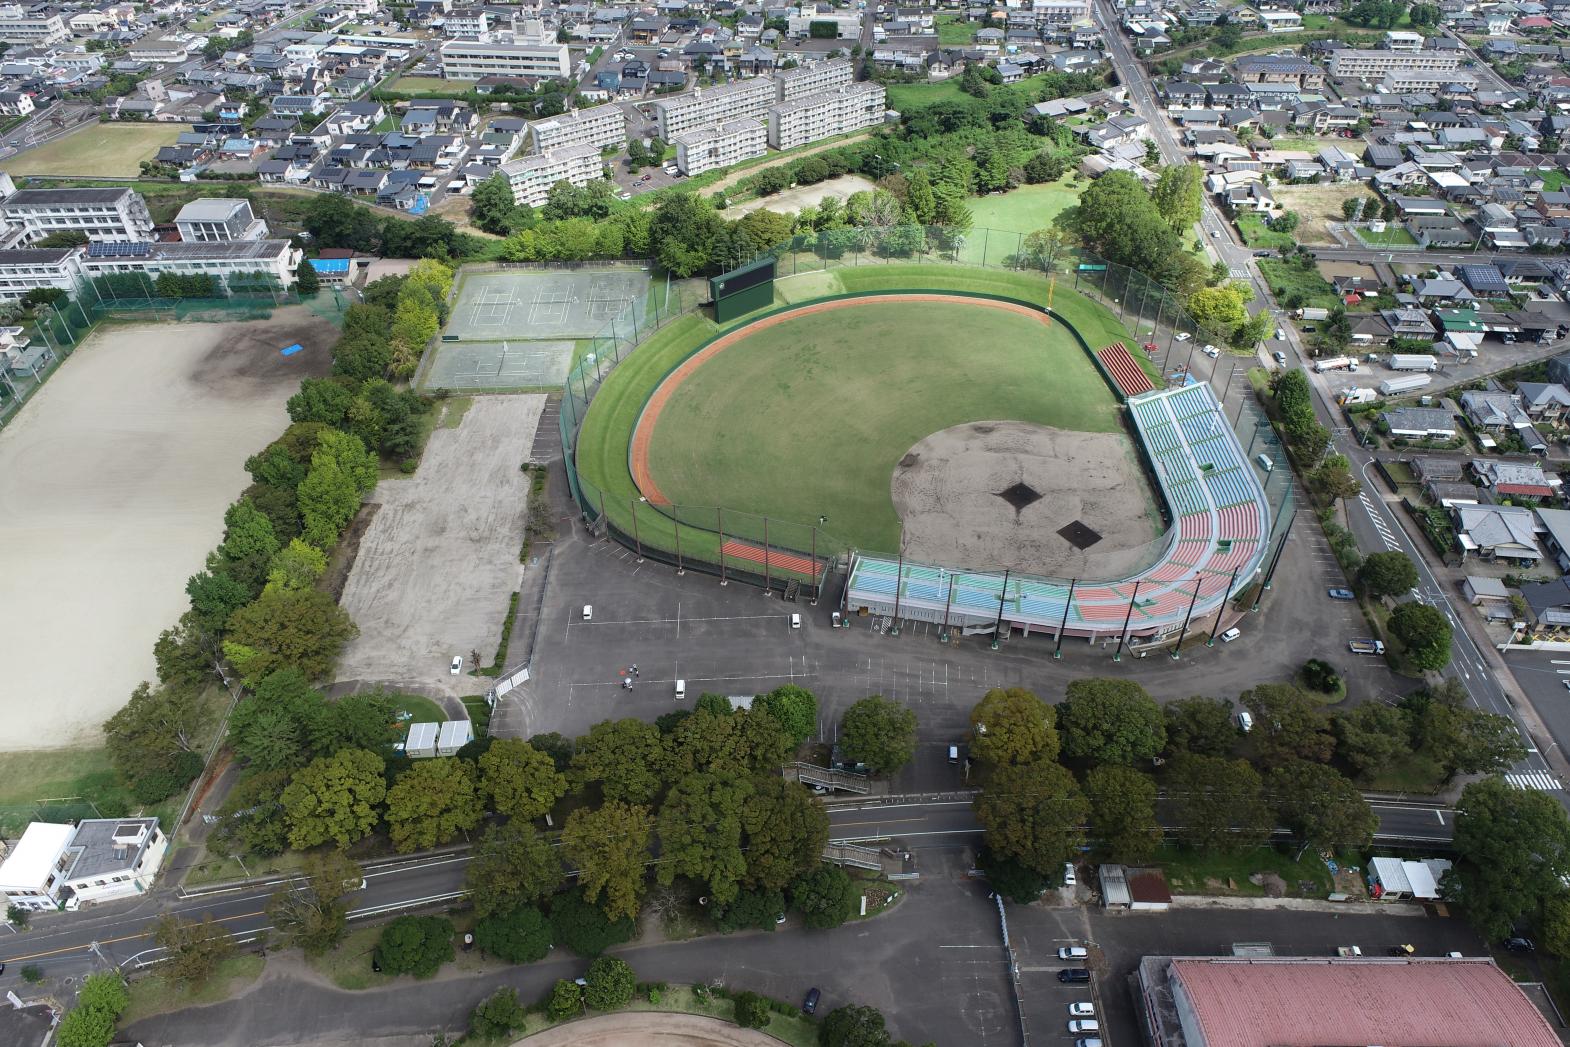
1204 901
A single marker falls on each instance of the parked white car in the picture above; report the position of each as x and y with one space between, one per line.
1211 351
1082 1009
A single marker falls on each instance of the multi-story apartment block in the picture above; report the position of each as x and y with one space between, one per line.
708 148
811 79
1401 40
742 100
1280 69
1368 64
1060 12
1405 81
847 24
1281 21
61 866
531 177
473 59
218 219
599 126
849 108
468 24
18 26
116 215
26 269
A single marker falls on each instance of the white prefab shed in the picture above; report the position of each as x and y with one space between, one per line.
422 740
455 734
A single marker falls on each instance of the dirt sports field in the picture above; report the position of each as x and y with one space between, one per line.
953 490
808 413
646 1029
437 566
113 484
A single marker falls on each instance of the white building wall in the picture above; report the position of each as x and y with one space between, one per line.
1369 63
811 119
811 79
743 100
471 59
709 148
532 176
599 126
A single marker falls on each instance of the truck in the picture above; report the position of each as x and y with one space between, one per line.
1413 362
1335 363
1405 384
1359 396
1313 313
1366 646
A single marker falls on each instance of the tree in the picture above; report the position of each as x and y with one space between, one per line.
685 234
1110 721
796 709
492 207
559 749
785 830
1424 632
1012 726
301 629
1320 805
355 721
521 935
1219 310
879 733
566 1001
335 798
1117 218
432 803
741 743
192 948
1285 222
752 1010
853 1026
1288 725
610 848
152 732
757 910
1123 813
624 756
584 928
313 914
1032 813
521 782
274 727
1199 725
1219 803
700 833
86 1027
416 945
611 984
1371 737
306 282
512 865
1513 854
1553 926
499 1015
1458 738
825 897
1012 880
1333 481
1179 195
251 820
328 500
1387 574
296 566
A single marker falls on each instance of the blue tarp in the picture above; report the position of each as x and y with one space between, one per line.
290 350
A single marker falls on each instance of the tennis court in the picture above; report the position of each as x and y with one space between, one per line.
531 305
498 365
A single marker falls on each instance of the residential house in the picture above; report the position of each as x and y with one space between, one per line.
1488 595
1543 401
1497 532
1420 423
1556 534
1508 479
1548 604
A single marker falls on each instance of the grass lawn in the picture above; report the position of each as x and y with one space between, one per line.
430 85
1285 277
954 29
1022 210
1189 872
114 150
422 708
217 868
1393 236
1413 773
603 443
1252 226
1316 21
879 378
349 965
913 96
152 994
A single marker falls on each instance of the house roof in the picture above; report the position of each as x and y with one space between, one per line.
1493 526
34 855
1442 1003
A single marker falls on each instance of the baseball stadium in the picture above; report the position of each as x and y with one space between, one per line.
927 439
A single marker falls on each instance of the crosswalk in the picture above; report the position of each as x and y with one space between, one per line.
1540 780
1239 272
1378 520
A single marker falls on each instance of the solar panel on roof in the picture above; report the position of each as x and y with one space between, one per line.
107 250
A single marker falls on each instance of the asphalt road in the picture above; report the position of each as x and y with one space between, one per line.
1373 521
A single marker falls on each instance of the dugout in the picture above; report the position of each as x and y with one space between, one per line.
743 290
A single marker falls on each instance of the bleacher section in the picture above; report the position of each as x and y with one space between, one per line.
1124 370
1221 522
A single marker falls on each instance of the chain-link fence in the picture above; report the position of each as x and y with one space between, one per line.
1105 302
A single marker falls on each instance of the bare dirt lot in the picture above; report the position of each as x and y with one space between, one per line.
948 491
439 562
113 484
1317 206
647 1029
806 196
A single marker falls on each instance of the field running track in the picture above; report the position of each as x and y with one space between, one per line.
643 428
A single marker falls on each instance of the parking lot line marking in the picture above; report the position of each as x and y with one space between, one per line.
976 947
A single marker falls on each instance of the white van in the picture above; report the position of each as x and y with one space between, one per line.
795 621
1231 634
681 689
1264 462
588 612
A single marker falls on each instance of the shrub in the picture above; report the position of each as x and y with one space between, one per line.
566 1001
611 984
498 1015
584 928
520 935
824 897
32 974
752 1010
416 945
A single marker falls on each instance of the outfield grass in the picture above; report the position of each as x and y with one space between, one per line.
603 443
1023 210
859 386
104 150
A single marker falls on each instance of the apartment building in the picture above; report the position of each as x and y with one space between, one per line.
599 126
1369 64
26 269
473 59
849 108
811 79
18 27
218 219
223 259
1060 12
1281 21
708 148
741 100
531 177
113 215
1401 40
1405 81
468 24
847 24
1280 69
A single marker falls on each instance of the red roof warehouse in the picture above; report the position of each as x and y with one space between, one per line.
1310 1002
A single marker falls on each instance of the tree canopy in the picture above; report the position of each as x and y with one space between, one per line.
880 733
1110 721
1013 726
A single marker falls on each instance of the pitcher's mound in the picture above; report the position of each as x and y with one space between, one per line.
1039 500
649 1029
